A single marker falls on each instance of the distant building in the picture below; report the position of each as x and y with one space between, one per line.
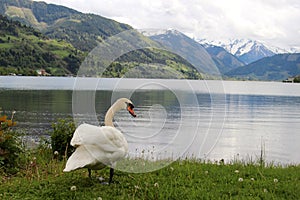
289 80
42 72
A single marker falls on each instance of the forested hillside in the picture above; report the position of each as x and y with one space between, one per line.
24 50
277 68
82 30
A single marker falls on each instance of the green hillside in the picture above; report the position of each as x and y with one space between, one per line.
152 63
82 30
277 68
23 50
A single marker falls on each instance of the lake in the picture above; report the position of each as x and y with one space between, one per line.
175 118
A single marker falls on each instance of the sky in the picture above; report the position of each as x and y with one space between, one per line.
273 22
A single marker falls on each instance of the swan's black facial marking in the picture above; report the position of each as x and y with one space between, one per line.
130 107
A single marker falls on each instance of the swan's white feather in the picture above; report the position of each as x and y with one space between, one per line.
96 147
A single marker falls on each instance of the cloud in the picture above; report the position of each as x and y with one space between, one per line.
275 22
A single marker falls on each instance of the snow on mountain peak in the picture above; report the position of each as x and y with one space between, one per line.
155 32
239 47
245 49
236 47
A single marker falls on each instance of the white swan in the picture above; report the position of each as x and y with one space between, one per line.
97 147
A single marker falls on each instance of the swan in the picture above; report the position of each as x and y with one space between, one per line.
98 147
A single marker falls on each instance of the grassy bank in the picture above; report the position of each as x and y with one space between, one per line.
41 177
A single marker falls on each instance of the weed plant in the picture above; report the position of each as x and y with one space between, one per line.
41 177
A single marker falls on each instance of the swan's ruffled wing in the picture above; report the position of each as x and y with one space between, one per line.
82 158
98 144
87 134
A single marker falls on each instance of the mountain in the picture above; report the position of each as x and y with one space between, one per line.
66 35
225 61
83 31
187 48
210 60
275 68
87 31
245 50
134 55
25 50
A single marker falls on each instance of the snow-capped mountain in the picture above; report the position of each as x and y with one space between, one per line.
186 47
208 60
246 50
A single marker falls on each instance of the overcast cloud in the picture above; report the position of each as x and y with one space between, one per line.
275 22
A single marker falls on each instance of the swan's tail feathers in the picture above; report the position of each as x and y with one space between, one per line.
79 159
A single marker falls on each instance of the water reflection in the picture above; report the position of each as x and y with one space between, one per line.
177 124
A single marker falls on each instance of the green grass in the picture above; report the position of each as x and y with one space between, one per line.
41 177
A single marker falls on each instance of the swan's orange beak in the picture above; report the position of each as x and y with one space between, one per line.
130 110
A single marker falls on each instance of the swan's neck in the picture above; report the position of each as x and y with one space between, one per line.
109 117
108 121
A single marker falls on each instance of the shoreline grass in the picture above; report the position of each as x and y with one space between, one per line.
41 177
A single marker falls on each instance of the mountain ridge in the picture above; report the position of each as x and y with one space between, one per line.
85 31
25 50
275 68
246 50
82 30
223 61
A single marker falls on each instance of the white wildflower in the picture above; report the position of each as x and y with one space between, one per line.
73 188
241 179
206 172
265 190
236 171
136 187
172 169
55 153
275 180
101 178
155 184
252 179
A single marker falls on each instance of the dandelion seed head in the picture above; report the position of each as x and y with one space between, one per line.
236 171
265 190
275 180
241 179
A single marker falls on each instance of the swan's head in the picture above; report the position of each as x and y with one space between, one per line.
130 107
126 104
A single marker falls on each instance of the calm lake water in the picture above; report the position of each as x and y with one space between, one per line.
176 118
